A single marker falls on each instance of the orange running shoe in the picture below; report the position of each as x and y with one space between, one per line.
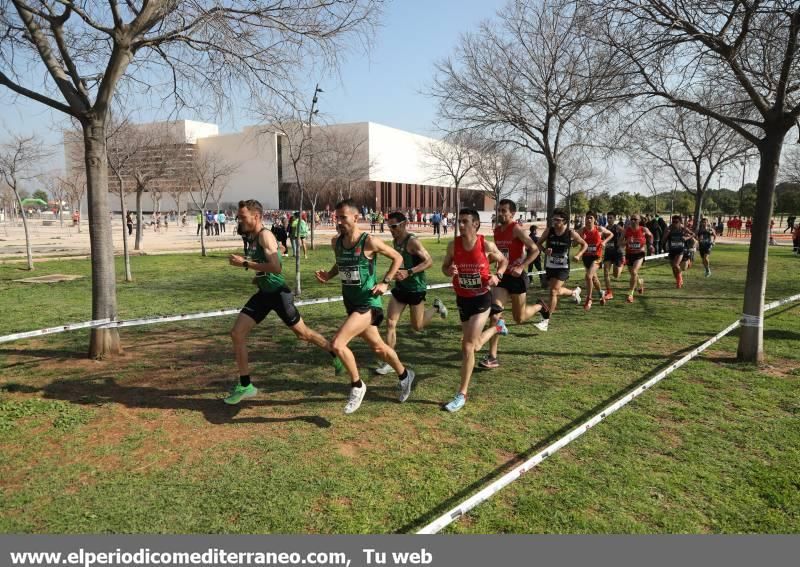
629 299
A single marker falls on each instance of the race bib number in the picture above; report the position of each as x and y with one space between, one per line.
470 281
635 245
675 245
556 262
350 276
591 250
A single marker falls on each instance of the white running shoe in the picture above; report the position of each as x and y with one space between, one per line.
440 308
356 397
576 294
542 325
404 386
383 369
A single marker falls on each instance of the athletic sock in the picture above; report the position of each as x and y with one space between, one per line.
358 384
244 380
404 375
545 310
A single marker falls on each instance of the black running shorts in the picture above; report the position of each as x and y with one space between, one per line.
514 285
557 273
589 260
470 306
408 297
281 301
614 256
377 312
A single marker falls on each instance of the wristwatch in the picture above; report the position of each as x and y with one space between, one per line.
246 265
386 280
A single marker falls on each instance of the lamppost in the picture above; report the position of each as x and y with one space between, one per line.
296 237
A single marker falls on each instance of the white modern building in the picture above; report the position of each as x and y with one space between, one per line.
390 168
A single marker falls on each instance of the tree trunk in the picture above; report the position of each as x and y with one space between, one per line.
125 254
313 224
698 208
458 208
102 342
298 288
139 218
28 249
751 338
552 173
203 232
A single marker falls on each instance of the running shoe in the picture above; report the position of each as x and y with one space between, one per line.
576 294
338 366
542 325
609 295
383 369
404 386
355 399
489 361
239 392
456 403
501 327
603 299
588 304
629 299
440 308
708 273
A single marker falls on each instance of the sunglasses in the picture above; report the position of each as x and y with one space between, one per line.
391 226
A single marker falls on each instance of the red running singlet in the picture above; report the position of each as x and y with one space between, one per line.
510 246
635 241
594 240
473 275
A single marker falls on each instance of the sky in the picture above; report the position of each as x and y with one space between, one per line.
386 85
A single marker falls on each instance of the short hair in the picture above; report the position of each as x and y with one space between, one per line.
611 213
397 216
471 212
346 203
677 218
512 206
591 214
560 213
252 205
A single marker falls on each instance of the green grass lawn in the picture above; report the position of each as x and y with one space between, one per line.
143 443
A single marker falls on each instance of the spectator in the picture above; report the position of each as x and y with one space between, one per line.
129 222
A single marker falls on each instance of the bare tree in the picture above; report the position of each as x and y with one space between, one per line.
453 159
578 173
531 79
692 147
58 190
74 184
498 171
746 50
88 52
17 160
210 176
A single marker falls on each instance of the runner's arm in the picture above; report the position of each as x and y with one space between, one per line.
271 265
378 246
324 276
531 249
448 268
494 255
581 242
607 235
416 248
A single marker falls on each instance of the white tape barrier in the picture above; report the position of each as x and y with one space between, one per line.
108 324
51 330
446 519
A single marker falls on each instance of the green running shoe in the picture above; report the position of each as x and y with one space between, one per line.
239 393
338 366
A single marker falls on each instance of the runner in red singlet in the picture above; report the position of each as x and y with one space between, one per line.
596 238
637 240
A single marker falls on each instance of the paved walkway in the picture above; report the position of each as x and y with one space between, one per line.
55 241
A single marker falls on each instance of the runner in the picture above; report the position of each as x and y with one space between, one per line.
356 253
511 240
675 239
467 261
411 286
596 238
707 237
614 257
559 238
636 240
264 259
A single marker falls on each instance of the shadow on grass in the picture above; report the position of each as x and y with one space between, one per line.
107 390
503 469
